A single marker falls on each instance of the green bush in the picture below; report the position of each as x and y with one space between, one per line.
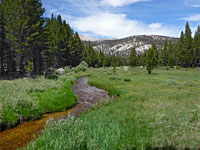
171 82
9 117
167 68
127 79
83 66
114 78
52 76
67 69
27 110
109 73
75 69
1 115
83 63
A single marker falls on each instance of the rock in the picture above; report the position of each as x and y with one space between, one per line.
126 68
60 71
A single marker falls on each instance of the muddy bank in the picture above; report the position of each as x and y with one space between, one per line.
19 136
87 95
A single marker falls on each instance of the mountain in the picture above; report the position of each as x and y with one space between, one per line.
87 38
122 47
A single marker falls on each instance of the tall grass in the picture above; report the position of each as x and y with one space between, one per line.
153 111
16 101
27 99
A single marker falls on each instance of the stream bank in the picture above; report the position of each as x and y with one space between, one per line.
21 135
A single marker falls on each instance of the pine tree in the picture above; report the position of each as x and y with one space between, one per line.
180 44
2 41
196 46
132 58
187 51
90 56
171 55
77 51
23 19
154 47
150 60
56 43
67 41
164 55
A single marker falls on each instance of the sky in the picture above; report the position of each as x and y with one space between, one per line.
123 18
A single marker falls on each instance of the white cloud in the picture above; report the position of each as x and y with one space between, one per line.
195 5
118 26
192 3
155 26
192 18
53 10
116 3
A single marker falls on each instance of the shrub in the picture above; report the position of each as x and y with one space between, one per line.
9 117
109 73
1 117
51 76
127 80
67 69
167 68
74 69
83 66
171 82
114 78
63 78
27 110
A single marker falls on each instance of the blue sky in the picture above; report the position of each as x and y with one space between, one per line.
123 18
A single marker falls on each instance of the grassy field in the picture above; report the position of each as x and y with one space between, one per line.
161 110
28 99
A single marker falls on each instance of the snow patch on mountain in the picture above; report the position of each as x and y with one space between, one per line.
87 38
122 47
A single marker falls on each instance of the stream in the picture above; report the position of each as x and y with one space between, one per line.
22 134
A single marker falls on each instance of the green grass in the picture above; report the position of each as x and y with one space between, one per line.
158 110
55 99
28 99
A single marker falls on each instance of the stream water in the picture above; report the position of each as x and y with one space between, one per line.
21 135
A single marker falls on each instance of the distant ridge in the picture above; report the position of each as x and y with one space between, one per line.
87 38
123 46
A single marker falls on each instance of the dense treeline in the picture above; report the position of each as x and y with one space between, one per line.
30 43
184 53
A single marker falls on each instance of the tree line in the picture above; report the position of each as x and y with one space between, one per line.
184 53
30 43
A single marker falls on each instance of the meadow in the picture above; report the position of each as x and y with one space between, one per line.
157 111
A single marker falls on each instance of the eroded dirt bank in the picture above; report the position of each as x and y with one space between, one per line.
19 136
